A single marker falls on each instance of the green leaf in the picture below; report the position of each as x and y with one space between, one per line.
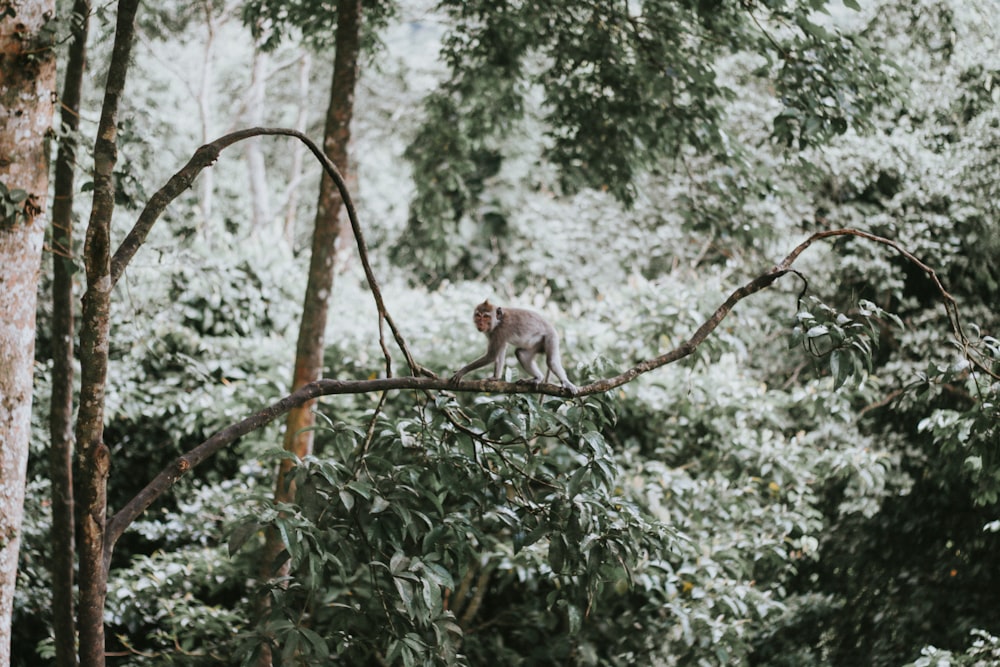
379 505
394 652
439 575
363 489
405 590
431 595
290 648
286 539
557 554
596 442
347 499
241 534
537 533
842 367
576 481
398 562
575 619
817 331
318 644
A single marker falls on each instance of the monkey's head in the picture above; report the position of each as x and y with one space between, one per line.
486 317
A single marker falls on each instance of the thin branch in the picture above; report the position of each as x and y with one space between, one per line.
362 450
482 583
206 156
308 392
947 300
463 590
777 46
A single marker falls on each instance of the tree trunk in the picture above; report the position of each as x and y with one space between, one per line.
256 166
312 330
27 89
61 412
291 208
336 138
206 185
92 455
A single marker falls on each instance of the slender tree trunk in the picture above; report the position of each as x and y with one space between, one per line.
27 88
92 453
336 138
256 167
312 330
291 208
61 412
206 185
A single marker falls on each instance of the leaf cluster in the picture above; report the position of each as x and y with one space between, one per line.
849 344
312 21
617 92
16 206
435 521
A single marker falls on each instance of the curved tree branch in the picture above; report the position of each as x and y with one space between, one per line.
326 387
763 281
206 156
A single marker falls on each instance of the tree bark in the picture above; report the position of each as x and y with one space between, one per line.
206 187
27 90
93 456
312 330
61 412
298 152
260 211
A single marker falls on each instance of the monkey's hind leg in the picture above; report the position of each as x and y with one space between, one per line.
526 357
554 364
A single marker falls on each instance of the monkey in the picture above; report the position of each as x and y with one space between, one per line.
528 332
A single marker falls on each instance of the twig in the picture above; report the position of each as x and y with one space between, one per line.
370 432
477 598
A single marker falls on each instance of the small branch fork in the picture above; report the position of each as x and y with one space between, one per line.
422 379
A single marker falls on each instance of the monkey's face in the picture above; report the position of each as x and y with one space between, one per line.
483 319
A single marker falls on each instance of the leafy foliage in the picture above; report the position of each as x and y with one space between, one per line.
849 344
15 206
314 21
820 87
496 493
823 503
618 89
507 515
926 545
984 649
179 354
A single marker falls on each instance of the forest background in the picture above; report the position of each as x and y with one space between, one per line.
815 482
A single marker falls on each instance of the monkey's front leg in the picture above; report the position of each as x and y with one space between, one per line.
471 366
498 365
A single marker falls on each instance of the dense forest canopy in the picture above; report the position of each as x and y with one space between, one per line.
814 483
